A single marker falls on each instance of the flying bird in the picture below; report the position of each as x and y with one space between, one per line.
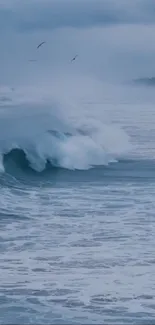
74 58
40 44
32 60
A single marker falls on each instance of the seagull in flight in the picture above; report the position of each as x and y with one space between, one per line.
74 58
40 44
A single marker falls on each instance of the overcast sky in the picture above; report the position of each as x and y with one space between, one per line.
29 15
114 39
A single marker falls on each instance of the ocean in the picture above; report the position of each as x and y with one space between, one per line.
77 175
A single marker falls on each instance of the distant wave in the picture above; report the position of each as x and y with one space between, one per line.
145 81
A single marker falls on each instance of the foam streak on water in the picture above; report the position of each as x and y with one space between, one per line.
78 246
78 249
77 162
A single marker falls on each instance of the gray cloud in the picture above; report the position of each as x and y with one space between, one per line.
122 51
50 14
114 53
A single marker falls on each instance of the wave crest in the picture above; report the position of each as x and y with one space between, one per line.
34 137
81 150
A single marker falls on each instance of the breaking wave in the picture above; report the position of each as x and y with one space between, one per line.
37 138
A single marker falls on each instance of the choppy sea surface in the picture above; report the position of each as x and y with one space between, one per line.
77 213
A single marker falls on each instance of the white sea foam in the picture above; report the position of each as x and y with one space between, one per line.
46 131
